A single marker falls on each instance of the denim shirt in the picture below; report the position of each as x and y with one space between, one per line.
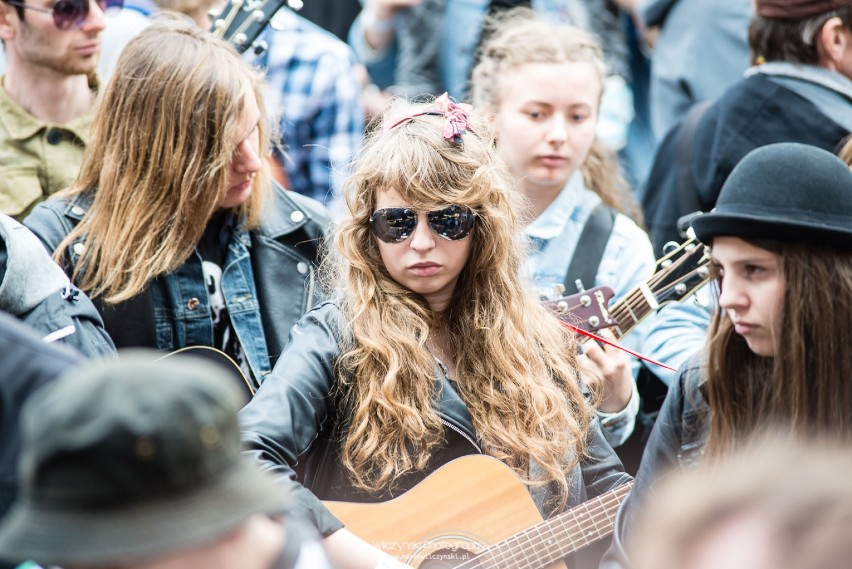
673 334
677 443
627 260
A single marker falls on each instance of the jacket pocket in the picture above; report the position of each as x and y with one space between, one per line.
20 190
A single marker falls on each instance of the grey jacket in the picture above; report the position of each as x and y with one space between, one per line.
35 290
683 70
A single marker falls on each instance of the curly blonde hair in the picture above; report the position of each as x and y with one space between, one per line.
518 38
158 157
516 366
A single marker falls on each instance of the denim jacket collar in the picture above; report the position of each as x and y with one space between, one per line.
568 205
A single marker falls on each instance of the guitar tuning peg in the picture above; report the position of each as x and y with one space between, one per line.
239 40
670 247
259 47
559 289
295 4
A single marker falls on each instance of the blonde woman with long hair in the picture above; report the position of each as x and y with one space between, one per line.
542 84
433 348
173 226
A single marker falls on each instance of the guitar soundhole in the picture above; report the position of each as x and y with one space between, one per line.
445 558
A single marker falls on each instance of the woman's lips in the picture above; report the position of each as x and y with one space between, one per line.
553 161
743 328
425 269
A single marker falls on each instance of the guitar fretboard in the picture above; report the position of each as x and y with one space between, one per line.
648 296
554 538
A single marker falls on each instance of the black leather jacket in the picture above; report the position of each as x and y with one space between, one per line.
677 441
283 253
294 427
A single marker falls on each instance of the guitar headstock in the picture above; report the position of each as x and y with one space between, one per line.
587 310
680 273
242 21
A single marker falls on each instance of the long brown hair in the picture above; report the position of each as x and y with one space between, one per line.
516 366
806 387
157 160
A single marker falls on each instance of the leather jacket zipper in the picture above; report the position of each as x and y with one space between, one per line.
310 295
462 433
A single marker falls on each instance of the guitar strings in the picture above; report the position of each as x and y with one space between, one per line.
565 545
623 309
655 279
228 20
572 540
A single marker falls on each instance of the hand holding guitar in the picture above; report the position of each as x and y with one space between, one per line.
348 551
611 373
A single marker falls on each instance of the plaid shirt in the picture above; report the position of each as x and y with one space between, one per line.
313 92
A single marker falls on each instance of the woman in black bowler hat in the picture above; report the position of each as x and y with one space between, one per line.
777 355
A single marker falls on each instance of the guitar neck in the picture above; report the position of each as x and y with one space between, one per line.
682 272
631 310
554 538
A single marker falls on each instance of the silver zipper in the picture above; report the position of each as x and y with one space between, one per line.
309 301
462 433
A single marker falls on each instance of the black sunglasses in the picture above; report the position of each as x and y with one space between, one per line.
396 224
69 14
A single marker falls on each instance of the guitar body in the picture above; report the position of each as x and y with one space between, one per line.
464 506
223 361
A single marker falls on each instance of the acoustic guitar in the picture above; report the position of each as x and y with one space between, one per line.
473 512
223 361
678 275
242 21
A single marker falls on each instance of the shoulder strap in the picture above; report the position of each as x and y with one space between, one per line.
590 248
686 189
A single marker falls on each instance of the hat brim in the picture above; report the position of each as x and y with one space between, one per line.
746 226
159 527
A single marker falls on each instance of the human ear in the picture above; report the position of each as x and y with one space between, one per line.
7 32
831 43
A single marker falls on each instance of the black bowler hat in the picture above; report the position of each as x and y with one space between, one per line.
784 192
133 459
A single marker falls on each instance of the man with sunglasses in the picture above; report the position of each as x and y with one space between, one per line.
47 95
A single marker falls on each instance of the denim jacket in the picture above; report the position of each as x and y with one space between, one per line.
677 442
268 277
626 262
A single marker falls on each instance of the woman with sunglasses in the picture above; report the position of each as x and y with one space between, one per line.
432 348
777 353
174 228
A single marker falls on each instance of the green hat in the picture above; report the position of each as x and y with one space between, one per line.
784 192
131 459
